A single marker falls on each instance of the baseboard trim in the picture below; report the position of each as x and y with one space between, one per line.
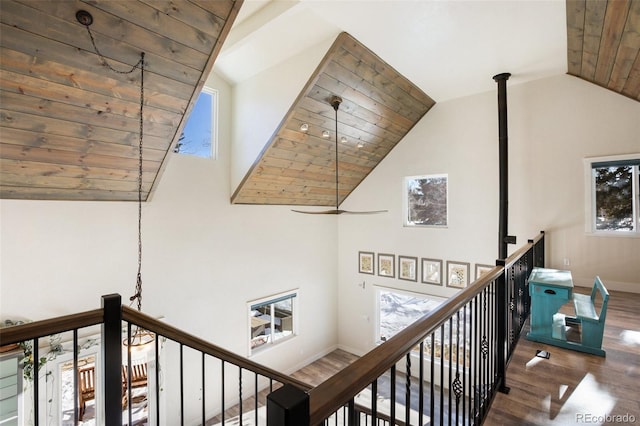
351 350
311 359
610 285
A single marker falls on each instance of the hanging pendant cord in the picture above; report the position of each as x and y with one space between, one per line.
104 60
140 64
138 294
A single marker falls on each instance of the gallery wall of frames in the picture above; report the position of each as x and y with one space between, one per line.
439 272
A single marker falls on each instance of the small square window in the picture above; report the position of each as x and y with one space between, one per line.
271 321
613 197
199 135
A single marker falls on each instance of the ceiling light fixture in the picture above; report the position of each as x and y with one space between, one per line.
335 102
140 337
304 127
326 134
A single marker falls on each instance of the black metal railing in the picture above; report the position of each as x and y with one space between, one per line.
443 369
131 385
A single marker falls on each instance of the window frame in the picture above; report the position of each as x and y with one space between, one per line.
406 202
271 300
590 164
214 125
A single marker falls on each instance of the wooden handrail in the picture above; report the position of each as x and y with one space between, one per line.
163 329
42 328
341 387
36 329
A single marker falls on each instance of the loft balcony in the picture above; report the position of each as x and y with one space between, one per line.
449 367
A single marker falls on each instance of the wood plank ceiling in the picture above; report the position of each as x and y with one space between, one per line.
379 106
603 43
69 127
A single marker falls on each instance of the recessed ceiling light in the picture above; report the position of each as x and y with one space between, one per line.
325 134
304 127
343 139
360 145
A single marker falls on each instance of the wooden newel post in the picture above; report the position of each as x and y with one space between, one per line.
288 406
112 358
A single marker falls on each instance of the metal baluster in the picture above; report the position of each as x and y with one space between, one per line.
464 361
392 390
494 337
457 385
442 374
483 350
374 402
476 397
203 390
181 384
450 366
222 378
432 379
129 391
36 386
240 393
157 373
255 398
76 384
421 384
407 398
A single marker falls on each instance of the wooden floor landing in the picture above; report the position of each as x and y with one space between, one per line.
573 388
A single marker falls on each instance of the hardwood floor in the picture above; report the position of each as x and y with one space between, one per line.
576 388
325 367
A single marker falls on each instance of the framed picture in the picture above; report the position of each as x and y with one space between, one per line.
386 265
425 200
365 262
408 268
482 269
432 271
457 274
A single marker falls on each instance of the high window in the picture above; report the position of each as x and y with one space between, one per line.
271 320
199 135
613 200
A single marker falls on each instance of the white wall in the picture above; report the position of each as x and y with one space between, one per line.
261 103
553 124
203 258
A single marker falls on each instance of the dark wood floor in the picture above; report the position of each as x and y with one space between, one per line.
575 388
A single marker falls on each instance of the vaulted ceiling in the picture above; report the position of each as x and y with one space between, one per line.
377 108
603 44
69 126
